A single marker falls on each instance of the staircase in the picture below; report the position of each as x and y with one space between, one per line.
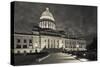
52 50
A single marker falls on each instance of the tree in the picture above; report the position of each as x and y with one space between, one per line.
93 45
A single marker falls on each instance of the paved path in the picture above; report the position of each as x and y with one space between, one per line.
58 58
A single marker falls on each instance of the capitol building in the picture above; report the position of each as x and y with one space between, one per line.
45 36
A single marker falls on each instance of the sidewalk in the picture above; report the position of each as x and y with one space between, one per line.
58 58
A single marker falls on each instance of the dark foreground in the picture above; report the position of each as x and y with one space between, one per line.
48 58
27 59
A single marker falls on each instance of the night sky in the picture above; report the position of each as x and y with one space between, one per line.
76 20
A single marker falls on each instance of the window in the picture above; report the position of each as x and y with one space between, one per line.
30 51
18 40
18 52
18 46
30 41
25 52
24 41
30 44
24 46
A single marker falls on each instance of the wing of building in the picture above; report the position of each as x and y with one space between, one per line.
45 36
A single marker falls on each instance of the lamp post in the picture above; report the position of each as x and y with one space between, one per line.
36 46
77 46
77 53
63 48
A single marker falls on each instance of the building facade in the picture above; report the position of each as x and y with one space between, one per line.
45 35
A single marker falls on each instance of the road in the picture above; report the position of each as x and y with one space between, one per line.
57 58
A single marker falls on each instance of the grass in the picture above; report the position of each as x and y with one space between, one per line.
26 59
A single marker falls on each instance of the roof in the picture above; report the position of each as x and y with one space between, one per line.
47 15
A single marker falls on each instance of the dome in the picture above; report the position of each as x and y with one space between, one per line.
47 15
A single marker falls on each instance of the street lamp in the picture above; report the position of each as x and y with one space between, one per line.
77 53
63 47
36 46
77 46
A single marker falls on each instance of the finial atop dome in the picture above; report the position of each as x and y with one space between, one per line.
47 9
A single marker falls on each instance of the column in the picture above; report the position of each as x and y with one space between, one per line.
50 24
41 25
57 43
47 23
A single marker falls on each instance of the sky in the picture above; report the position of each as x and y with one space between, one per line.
73 19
